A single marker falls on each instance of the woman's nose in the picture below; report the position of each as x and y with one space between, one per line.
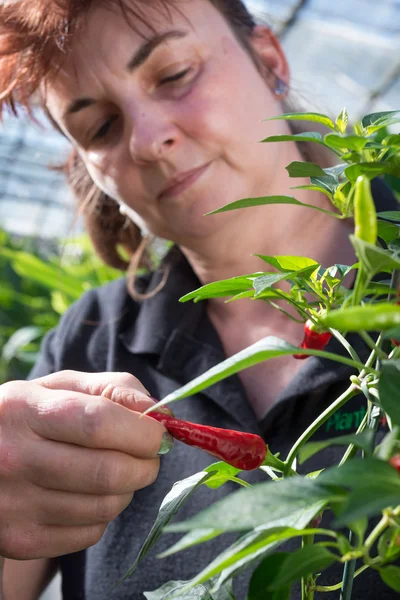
153 136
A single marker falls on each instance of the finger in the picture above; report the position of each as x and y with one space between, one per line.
94 422
51 507
67 468
25 542
111 385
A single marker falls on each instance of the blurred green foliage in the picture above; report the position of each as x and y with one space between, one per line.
38 281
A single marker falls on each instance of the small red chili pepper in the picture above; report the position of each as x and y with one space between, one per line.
313 339
395 462
245 451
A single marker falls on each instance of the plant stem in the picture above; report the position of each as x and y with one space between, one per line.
351 391
307 593
346 344
370 342
337 586
348 576
352 449
376 532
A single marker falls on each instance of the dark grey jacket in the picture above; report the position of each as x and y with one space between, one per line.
166 344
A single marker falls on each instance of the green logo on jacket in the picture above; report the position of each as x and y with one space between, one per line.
344 421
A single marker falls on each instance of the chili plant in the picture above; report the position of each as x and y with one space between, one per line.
366 483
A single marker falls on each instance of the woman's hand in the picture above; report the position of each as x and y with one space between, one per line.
73 450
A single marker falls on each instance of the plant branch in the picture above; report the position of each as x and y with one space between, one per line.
376 532
352 449
337 586
351 391
345 344
348 576
371 344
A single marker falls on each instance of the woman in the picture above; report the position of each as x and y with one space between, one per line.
163 103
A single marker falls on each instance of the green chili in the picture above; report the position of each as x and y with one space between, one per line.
370 317
366 227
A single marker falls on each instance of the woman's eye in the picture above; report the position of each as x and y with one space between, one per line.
104 129
175 77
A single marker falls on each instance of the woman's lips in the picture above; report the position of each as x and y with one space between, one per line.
182 182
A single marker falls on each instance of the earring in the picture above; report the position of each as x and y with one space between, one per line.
122 210
281 88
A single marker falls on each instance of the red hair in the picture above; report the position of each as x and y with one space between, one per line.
35 36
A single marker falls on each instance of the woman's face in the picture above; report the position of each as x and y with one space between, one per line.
168 127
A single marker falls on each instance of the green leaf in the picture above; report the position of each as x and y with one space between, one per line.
264 200
176 589
359 527
309 136
264 282
369 169
221 473
180 492
387 231
373 484
382 124
315 188
314 117
303 562
304 169
389 389
391 576
250 547
378 117
374 259
225 287
345 142
379 289
264 503
392 333
390 215
389 444
197 536
264 349
289 263
392 140
51 277
264 574
342 121
21 338
363 440
370 317
384 542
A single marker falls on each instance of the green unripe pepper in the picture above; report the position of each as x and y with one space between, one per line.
366 226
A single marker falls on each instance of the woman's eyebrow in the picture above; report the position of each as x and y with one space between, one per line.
143 53
139 57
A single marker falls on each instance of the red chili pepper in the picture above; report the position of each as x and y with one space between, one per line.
313 339
395 462
245 451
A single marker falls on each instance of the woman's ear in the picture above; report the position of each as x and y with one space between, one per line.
270 56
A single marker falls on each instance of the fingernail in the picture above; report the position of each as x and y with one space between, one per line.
162 409
166 443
